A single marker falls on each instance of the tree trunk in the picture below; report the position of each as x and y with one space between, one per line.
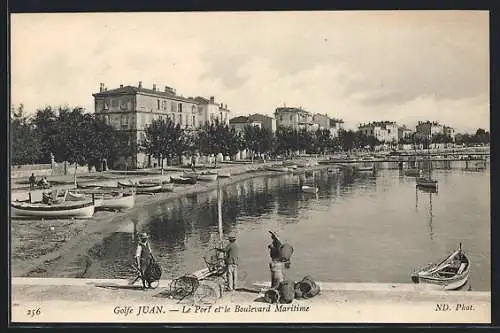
74 175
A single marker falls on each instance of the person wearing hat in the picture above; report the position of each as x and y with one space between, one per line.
231 260
143 256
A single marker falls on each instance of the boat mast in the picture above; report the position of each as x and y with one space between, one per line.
219 211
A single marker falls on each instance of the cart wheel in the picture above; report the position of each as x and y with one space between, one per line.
204 295
154 284
183 286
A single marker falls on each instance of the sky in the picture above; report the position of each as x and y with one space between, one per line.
359 66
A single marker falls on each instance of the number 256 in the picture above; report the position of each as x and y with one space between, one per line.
33 312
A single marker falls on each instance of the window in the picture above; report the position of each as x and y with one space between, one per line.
180 119
194 121
180 107
114 102
158 107
173 106
291 118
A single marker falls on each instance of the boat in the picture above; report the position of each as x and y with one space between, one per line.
207 176
118 201
277 168
332 170
364 168
150 182
73 196
309 189
427 182
450 274
86 187
183 180
79 209
223 174
188 174
141 188
413 172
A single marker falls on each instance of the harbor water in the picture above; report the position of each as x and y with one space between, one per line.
368 227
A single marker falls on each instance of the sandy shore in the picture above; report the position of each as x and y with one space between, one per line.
59 247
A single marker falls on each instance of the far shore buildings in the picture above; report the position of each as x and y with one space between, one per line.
404 132
133 108
298 118
427 129
384 131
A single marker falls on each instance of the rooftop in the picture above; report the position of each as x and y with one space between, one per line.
291 109
134 90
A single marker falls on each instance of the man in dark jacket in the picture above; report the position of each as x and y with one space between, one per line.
231 260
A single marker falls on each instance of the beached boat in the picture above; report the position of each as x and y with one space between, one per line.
207 176
118 201
277 168
332 170
309 189
150 182
223 174
73 196
141 188
86 187
451 273
183 180
80 209
188 174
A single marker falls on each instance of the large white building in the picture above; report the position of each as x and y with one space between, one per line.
132 108
384 131
296 118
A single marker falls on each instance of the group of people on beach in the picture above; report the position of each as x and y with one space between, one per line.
279 252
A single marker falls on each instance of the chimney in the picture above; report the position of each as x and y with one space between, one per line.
121 85
140 84
154 86
212 99
167 89
101 87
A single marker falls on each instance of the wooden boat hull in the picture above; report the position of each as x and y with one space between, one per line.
223 175
277 169
207 177
120 202
76 209
451 273
183 180
309 189
190 175
149 189
98 198
364 169
413 173
429 183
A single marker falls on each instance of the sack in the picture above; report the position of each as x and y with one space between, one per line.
286 252
286 290
308 287
153 272
271 296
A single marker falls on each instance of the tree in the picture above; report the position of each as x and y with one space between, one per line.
323 140
348 140
25 143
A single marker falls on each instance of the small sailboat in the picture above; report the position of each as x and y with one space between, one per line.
79 209
309 189
141 188
450 274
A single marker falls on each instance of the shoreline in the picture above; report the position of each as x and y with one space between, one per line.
65 244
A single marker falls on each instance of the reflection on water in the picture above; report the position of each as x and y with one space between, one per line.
360 227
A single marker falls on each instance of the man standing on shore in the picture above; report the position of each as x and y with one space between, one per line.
32 181
231 260
143 257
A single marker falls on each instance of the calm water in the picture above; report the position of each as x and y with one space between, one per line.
368 228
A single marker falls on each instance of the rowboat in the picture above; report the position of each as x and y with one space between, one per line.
72 196
451 273
187 174
80 209
141 188
118 201
413 172
364 168
309 189
150 182
223 174
86 187
277 169
427 182
183 180
207 176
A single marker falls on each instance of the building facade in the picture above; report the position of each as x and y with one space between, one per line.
296 118
336 126
322 120
133 108
404 132
210 111
427 129
239 123
384 131
267 122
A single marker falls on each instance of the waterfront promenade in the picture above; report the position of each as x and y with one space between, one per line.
99 300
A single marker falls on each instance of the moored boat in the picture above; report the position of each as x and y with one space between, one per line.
188 174
413 172
183 180
277 168
450 274
427 182
167 187
207 176
309 189
73 196
80 209
141 188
